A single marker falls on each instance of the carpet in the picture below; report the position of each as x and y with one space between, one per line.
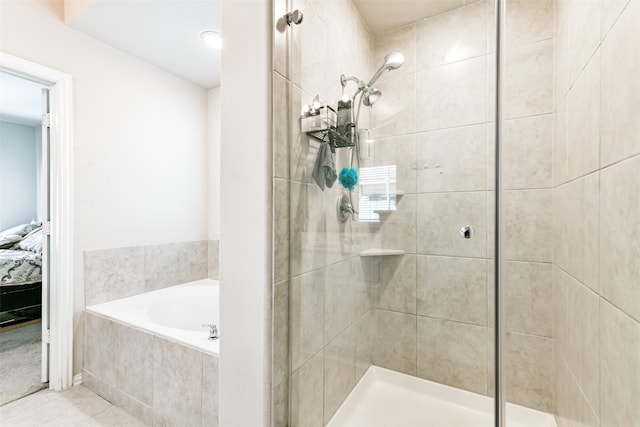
20 362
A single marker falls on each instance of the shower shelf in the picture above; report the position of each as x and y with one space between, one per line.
332 137
381 252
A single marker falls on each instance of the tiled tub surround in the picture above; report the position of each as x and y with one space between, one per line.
145 369
121 272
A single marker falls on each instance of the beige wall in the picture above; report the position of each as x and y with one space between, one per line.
596 214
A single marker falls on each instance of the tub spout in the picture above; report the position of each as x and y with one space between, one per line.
213 331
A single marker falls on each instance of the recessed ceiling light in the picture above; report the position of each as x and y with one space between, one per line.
212 39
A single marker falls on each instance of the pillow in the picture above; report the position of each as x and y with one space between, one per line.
6 241
31 242
19 230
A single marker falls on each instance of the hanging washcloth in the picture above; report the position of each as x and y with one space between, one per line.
324 170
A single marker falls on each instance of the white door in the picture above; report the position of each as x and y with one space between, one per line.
45 235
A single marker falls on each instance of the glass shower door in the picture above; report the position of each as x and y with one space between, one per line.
382 289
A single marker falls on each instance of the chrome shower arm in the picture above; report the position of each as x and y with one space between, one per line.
344 80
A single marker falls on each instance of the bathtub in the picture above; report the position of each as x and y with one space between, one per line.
149 354
176 313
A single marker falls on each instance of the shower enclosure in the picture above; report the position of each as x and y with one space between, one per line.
384 286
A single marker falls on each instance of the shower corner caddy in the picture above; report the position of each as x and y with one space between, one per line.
332 137
375 252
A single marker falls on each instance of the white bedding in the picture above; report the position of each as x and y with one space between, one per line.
19 267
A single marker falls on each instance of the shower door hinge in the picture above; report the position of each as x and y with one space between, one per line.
46 228
46 120
47 336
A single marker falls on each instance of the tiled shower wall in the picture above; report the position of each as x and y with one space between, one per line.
318 277
596 214
121 272
434 122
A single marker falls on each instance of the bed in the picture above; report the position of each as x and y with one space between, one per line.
20 274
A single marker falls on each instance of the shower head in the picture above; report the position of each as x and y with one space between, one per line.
371 95
392 61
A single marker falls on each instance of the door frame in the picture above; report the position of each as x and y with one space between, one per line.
61 277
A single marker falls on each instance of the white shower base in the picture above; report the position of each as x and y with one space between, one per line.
385 398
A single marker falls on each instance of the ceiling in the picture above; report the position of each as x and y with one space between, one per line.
165 33
20 100
385 15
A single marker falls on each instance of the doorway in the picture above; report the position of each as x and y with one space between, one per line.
24 215
48 234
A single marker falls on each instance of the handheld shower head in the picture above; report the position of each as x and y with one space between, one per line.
392 61
371 95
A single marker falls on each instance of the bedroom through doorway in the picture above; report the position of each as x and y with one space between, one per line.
24 216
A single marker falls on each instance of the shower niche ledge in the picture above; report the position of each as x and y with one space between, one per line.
382 252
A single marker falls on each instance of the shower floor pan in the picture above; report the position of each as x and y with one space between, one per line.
385 398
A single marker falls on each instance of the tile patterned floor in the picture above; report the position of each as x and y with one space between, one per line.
76 407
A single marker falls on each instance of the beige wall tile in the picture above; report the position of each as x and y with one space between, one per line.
561 54
281 230
453 353
611 10
584 34
214 259
527 150
396 345
397 229
528 364
560 156
400 40
100 338
210 388
113 273
365 337
281 125
198 253
134 363
619 367
395 113
583 108
528 21
280 334
528 225
397 286
528 80
281 38
452 95
528 306
452 36
177 394
308 50
453 288
347 297
399 151
619 236
452 159
165 265
307 394
339 371
307 228
440 217
621 102
307 316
